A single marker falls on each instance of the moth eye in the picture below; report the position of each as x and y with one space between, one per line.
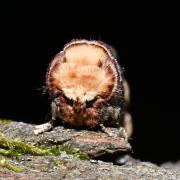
90 103
68 101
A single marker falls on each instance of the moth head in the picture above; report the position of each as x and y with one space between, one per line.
79 98
83 71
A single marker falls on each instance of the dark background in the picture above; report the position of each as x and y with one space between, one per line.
147 42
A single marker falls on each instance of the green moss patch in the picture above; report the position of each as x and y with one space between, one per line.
15 147
5 121
9 166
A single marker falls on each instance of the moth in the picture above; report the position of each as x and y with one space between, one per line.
87 88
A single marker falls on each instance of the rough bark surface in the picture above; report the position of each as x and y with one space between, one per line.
68 166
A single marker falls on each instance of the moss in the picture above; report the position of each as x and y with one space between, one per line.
5 121
8 152
15 147
75 152
55 150
9 166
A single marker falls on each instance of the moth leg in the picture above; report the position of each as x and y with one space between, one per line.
43 127
103 129
49 125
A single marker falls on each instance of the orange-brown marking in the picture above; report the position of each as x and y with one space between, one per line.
83 67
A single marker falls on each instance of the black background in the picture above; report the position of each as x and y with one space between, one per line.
147 42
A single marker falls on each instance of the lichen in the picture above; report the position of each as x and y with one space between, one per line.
5 121
9 166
